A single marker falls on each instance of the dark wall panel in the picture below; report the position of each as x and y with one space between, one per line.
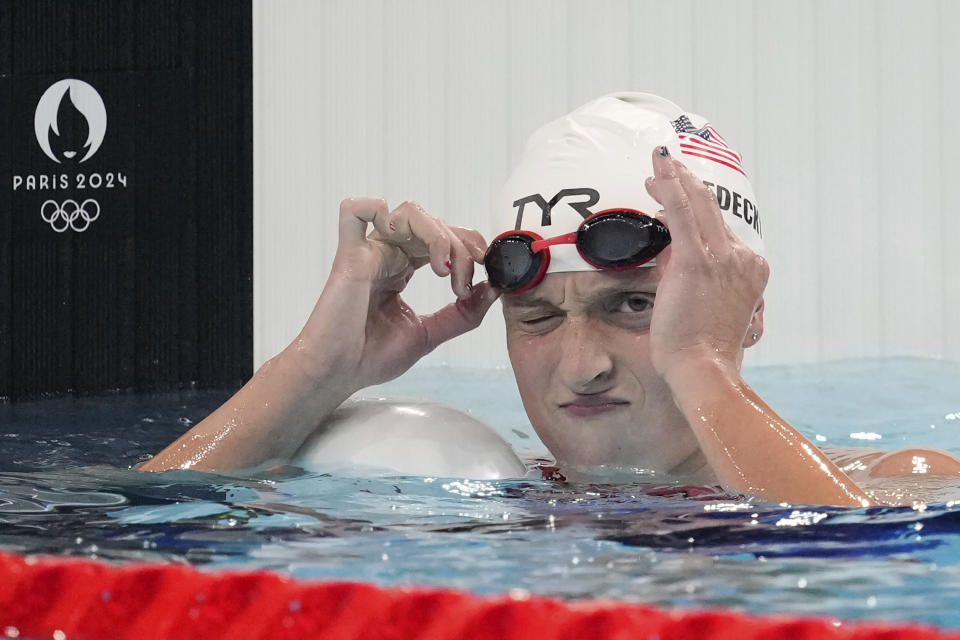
126 247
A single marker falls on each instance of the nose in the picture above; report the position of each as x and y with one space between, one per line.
586 365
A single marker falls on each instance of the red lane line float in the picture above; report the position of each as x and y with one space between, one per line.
79 599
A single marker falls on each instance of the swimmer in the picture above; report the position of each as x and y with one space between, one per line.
628 256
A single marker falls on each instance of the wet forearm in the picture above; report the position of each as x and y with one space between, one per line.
267 420
749 446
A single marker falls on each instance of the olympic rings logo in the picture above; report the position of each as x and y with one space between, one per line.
70 215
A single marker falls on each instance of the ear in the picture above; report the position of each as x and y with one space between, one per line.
755 328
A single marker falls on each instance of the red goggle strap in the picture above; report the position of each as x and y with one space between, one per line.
567 238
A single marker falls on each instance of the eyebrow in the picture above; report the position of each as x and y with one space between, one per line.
529 303
612 289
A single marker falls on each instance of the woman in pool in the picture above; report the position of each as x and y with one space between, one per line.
620 361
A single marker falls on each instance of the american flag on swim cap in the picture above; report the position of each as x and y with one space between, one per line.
706 142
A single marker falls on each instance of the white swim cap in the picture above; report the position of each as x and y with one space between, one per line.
598 156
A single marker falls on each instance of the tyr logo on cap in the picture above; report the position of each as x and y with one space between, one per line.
582 207
72 116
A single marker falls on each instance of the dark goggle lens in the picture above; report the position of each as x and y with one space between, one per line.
511 263
620 239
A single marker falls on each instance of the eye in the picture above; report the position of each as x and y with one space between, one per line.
634 303
540 323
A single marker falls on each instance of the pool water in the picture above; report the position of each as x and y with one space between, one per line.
66 487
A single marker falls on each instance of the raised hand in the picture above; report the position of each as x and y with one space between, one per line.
710 287
711 284
361 327
360 332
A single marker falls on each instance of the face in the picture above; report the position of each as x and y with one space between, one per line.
580 349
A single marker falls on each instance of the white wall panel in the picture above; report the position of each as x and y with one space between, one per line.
910 272
845 232
661 49
536 71
949 158
723 50
783 170
845 112
598 48
319 121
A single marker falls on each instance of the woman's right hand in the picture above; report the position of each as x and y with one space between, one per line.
361 332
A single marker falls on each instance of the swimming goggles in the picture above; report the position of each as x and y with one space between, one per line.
612 240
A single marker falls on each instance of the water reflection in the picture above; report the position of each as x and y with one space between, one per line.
649 541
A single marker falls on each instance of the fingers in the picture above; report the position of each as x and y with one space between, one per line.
467 249
716 236
458 317
422 238
690 207
473 241
418 235
355 214
451 250
666 188
663 259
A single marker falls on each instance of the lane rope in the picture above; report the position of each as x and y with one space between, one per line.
66 598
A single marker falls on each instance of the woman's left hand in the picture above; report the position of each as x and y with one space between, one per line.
711 284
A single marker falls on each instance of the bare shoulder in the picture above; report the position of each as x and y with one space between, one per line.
901 477
853 460
914 461
879 463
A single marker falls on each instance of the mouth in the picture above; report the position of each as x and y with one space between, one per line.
593 405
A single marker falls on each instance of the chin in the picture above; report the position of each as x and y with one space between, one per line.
595 452
601 452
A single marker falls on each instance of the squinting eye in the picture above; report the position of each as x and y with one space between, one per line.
541 323
635 304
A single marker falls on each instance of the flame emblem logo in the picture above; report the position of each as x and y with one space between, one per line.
88 112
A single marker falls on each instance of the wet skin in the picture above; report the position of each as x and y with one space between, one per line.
607 377
579 344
